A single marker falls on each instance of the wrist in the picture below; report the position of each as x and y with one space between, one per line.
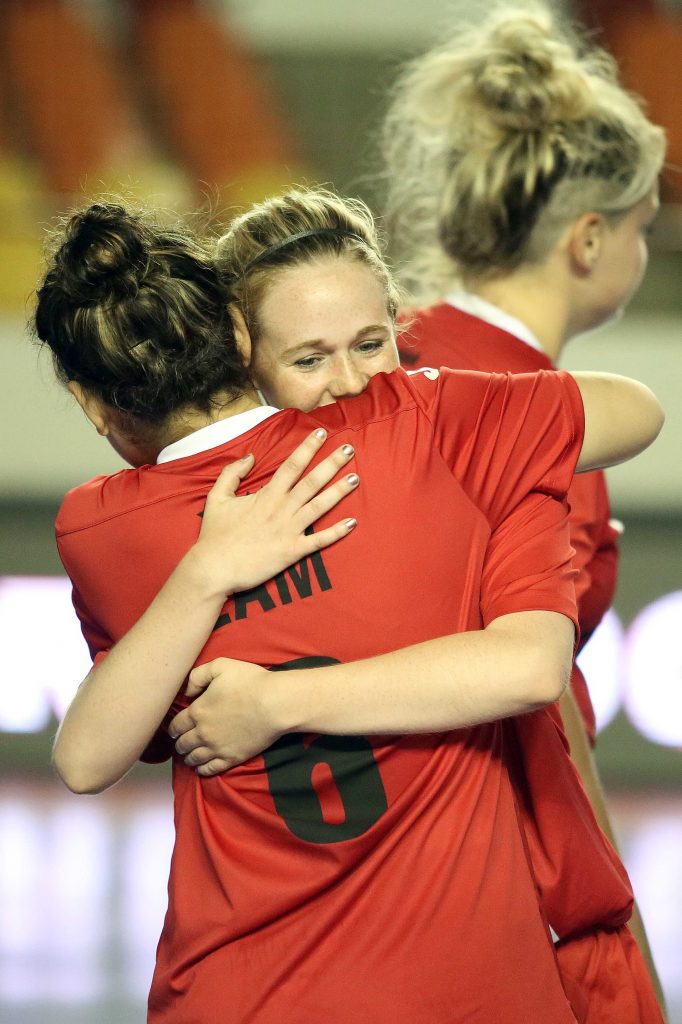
198 570
283 700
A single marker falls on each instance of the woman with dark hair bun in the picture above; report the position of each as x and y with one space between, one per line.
375 876
136 318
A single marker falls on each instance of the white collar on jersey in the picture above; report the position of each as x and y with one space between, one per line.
215 434
484 310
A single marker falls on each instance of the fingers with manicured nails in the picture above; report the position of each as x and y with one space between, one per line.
265 531
327 499
319 477
296 464
318 541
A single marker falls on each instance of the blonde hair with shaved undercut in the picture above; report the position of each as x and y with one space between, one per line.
499 138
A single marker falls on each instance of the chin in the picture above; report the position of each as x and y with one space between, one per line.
608 316
616 314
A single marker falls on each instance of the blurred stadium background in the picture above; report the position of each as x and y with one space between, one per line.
191 104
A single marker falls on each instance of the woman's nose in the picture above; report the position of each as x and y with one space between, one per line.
347 381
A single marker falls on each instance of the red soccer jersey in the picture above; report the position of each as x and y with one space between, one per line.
443 335
583 884
351 878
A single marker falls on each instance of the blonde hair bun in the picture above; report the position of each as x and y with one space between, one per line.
527 80
498 138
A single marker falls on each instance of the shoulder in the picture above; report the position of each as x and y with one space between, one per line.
444 391
82 504
391 394
443 334
387 395
452 400
429 335
100 499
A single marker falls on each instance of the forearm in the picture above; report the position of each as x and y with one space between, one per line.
463 680
122 701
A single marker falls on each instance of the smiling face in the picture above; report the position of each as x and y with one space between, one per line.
324 331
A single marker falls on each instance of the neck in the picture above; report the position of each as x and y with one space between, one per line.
187 420
533 296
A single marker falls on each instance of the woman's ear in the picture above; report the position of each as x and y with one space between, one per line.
92 406
241 333
585 241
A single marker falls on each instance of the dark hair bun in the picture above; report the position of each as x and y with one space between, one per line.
103 257
137 313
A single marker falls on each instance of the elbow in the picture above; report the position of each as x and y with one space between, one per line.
651 416
546 679
537 648
77 776
81 787
656 416
646 424
622 418
554 685
79 782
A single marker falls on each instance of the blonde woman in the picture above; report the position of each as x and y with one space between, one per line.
522 182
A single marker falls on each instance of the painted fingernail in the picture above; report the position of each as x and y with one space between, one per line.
348 450
245 458
320 434
353 479
351 524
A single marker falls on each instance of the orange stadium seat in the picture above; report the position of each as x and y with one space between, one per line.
645 37
213 99
78 118
66 87
21 210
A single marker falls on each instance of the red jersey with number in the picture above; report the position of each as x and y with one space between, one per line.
364 879
584 887
443 335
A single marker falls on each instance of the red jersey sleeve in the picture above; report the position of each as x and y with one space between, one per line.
505 435
160 748
596 550
95 637
528 564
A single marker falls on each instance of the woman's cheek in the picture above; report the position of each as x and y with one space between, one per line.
294 393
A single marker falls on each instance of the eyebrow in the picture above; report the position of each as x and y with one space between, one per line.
370 329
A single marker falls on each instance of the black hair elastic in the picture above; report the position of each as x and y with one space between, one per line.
320 232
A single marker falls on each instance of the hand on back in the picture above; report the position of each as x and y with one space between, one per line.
247 539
